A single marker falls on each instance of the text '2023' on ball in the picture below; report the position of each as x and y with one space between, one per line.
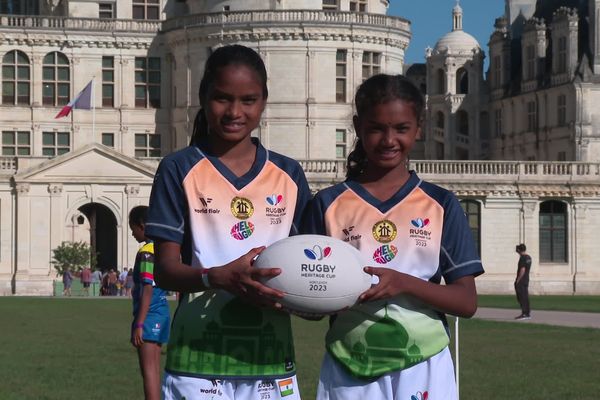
319 274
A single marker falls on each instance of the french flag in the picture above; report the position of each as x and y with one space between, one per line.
82 101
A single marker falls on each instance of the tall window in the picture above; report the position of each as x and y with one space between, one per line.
441 81
147 82
147 145
16 143
108 139
56 76
561 110
497 71
146 9
340 143
530 62
330 4
553 231
531 116
371 64
55 143
462 122
16 78
561 64
472 210
358 5
341 75
108 81
498 127
462 81
106 10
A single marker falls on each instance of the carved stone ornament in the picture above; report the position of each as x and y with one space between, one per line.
55 188
132 190
22 188
52 4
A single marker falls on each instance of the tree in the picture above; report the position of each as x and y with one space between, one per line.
74 256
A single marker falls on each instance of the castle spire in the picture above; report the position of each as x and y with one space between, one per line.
457 16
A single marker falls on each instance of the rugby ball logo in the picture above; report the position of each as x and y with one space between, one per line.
317 253
420 223
274 199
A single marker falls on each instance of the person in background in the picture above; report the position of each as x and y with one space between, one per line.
150 327
522 281
96 282
86 279
67 280
122 281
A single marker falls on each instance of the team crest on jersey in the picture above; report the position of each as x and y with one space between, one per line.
242 230
385 254
419 230
275 208
384 231
242 208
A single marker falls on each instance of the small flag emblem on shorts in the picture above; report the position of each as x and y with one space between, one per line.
286 387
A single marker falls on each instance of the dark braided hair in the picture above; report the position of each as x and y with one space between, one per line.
380 89
138 215
222 57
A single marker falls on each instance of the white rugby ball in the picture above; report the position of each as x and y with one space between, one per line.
319 274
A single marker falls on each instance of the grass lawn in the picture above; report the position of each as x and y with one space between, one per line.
553 303
78 349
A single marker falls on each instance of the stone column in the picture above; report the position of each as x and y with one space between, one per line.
23 234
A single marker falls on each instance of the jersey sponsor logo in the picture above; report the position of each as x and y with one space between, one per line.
384 231
204 206
286 387
418 231
349 236
385 254
420 396
242 230
241 208
275 209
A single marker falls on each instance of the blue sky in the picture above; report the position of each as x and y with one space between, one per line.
432 19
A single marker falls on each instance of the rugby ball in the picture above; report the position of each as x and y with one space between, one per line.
320 275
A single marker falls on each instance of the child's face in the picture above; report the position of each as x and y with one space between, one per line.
137 231
388 132
235 103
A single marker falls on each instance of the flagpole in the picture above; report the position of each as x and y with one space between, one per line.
94 108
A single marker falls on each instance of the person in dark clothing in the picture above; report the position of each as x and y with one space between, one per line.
522 281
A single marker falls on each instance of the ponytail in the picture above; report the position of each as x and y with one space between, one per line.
357 161
200 129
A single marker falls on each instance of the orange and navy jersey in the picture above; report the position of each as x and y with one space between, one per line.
217 217
421 231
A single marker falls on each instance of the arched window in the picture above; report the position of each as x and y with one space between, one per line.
553 232
472 210
56 78
16 78
441 81
462 81
440 120
462 122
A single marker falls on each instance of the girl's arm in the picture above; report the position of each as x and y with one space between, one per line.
237 277
457 298
138 330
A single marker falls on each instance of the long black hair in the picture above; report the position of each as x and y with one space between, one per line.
380 89
222 57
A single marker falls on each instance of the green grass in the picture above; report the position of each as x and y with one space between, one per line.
553 303
79 349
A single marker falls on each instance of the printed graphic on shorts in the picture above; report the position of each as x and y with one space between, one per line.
385 254
242 230
420 396
215 390
286 387
156 328
384 231
241 208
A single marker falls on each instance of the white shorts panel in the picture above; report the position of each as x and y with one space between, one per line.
176 387
432 379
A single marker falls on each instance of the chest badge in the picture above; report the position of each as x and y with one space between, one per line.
384 231
241 208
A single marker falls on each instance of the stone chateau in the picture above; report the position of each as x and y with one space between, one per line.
519 144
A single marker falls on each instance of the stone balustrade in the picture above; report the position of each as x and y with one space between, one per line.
79 24
269 17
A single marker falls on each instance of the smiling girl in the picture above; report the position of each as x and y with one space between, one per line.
394 344
213 208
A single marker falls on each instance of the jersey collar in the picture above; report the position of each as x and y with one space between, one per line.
384 206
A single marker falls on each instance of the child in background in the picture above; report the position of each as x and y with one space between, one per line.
150 327
394 344
213 208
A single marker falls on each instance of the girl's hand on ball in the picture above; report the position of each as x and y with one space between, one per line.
391 284
240 278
